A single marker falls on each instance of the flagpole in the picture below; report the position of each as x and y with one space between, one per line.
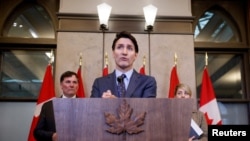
105 68
106 58
175 59
51 57
149 53
103 45
144 60
47 92
51 60
142 69
80 60
206 60
208 101
80 91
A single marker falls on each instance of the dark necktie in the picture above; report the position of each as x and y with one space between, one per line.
121 85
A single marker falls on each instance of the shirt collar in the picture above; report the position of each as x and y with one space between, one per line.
63 96
128 74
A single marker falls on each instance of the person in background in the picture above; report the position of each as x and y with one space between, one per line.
125 51
184 91
45 129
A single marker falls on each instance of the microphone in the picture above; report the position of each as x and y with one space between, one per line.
120 79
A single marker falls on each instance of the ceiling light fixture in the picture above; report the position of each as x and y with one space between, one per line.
104 11
150 15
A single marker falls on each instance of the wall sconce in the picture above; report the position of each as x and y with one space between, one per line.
104 11
149 14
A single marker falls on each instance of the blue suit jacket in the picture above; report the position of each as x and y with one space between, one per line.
139 86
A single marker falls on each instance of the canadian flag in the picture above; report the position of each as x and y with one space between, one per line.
142 70
105 70
47 92
174 81
80 91
208 102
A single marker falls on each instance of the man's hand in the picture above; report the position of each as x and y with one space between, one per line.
108 94
54 137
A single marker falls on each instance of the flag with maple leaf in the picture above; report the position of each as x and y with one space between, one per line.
80 91
105 71
174 81
142 70
208 101
47 92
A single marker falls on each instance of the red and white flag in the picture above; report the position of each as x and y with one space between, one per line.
208 102
142 70
47 92
174 81
105 70
80 91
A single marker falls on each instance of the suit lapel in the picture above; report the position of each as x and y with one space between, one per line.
112 83
132 84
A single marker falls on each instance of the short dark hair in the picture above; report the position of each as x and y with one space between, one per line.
68 74
125 34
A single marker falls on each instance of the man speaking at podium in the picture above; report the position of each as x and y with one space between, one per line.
124 81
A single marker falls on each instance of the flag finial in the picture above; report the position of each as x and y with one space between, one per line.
80 59
51 57
144 60
105 69
206 58
175 58
106 58
142 69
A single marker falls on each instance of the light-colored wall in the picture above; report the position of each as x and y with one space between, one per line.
15 120
162 46
162 50
128 7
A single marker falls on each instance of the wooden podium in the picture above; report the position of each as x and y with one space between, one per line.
142 119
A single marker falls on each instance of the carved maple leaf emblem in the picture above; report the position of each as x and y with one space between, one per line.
124 123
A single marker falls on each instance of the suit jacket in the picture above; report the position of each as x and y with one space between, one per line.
200 119
139 86
46 123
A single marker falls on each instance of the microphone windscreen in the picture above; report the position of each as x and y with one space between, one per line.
119 79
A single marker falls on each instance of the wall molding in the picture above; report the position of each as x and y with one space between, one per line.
70 22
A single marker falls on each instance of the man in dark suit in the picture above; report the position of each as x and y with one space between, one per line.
125 50
45 129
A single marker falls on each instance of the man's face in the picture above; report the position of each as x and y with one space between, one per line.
124 54
69 86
